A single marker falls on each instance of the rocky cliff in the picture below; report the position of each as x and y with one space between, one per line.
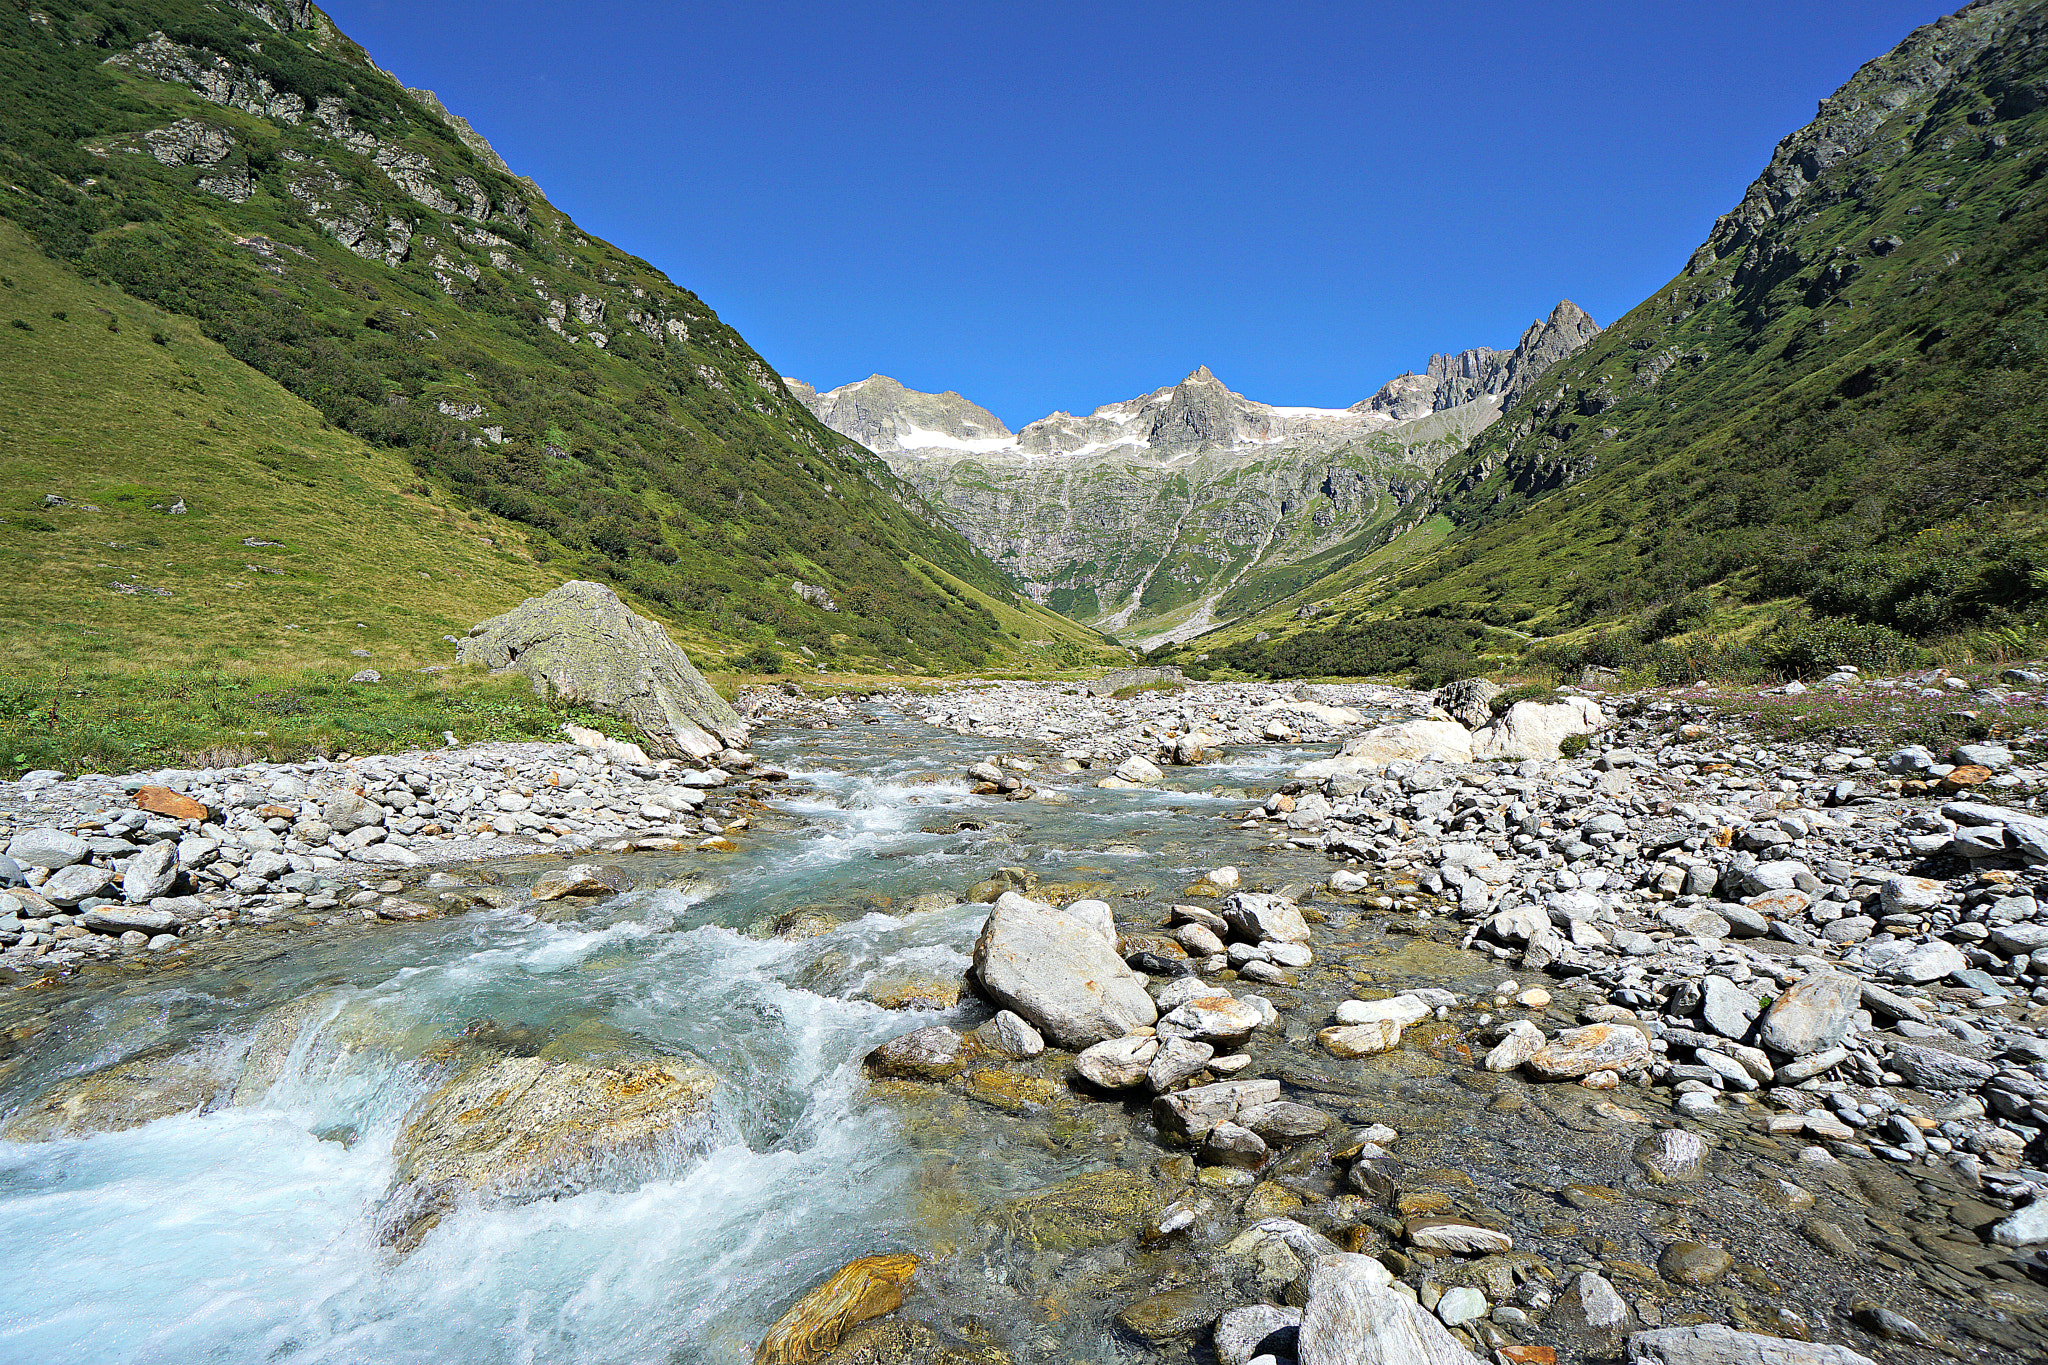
1158 516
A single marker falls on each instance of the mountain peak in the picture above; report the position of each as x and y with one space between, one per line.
1201 375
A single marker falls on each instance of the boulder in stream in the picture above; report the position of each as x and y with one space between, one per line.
862 1289
1059 973
125 1095
588 646
517 1129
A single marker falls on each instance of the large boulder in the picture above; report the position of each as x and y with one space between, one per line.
1534 729
1412 739
587 645
1058 972
1812 1014
1354 1317
518 1129
1467 701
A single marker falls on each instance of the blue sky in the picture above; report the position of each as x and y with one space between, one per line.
1059 205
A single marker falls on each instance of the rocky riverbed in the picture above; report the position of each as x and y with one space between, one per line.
1221 1022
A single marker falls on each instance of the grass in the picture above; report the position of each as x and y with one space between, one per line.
214 717
98 414
1879 720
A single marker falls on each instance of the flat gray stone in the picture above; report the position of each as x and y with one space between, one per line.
51 848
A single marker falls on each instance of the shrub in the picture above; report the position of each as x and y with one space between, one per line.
1806 647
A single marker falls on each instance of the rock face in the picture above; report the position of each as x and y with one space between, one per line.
1141 516
519 1129
862 1289
1059 974
585 643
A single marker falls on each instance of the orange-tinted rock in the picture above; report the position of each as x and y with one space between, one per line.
164 801
1965 777
1529 1355
863 1289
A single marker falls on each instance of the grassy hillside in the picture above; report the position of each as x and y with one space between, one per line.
481 369
1839 406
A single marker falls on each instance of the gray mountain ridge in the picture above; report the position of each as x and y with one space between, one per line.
1160 516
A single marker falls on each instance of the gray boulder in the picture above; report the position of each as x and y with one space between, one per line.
149 874
122 919
346 812
51 848
1467 701
1811 1015
80 881
1353 1317
587 645
1711 1343
1059 973
1256 916
1532 729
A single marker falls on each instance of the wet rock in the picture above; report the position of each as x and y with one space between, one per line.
1671 1155
1714 1344
1170 1315
1263 1329
1087 1211
1057 972
1353 1317
1192 1113
580 879
1232 1144
1117 1063
1257 917
1517 1046
1579 1052
1811 1015
518 1129
861 1290
1592 1313
125 1095
1284 1121
936 1053
1445 1233
1694 1264
913 988
1361 1040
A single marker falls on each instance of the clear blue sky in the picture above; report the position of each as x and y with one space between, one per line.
1058 205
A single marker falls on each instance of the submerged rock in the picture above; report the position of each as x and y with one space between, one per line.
588 646
518 1129
860 1290
125 1095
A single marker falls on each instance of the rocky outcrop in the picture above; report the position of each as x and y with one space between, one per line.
518 1129
587 645
1452 380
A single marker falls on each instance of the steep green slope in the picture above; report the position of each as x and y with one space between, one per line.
1842 399
248 167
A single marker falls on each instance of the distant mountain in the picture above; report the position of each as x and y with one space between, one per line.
246 166
1157 516
1842 398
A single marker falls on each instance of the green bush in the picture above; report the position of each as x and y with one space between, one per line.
1571 746
763 659
1806 647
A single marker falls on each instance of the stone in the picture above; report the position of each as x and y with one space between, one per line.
1284 1121
1811 1015
1013 1036
1590 1310
1467 701
1138 771
1176 1060
1217 1018
1192 1113
860 1290
935 1053
1058 973
1905 895
149 874
80 881
1169 1315
1444 1233
1931 1068
1919 963
51 848
2024 1227
1361 1040
912 988
1517 1046
1232 1144
1402 1009
1712 1343
586 645
173 805
129 919
1353 1317
518 1129
1409 740
348 811
1726 1008
1459 1305
1257 917
1671 1155
1694 1264
2010 940
1243 1334
1532 729
1579 1052
1117 1063
580 879
125 1095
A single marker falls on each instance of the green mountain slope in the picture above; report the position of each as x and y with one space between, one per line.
249 168
1843 398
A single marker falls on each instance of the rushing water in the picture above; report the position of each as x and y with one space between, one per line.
246 1233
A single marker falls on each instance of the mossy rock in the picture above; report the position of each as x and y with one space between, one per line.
1012 1091
1088 1211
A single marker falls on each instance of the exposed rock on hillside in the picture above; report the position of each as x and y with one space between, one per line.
586 644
